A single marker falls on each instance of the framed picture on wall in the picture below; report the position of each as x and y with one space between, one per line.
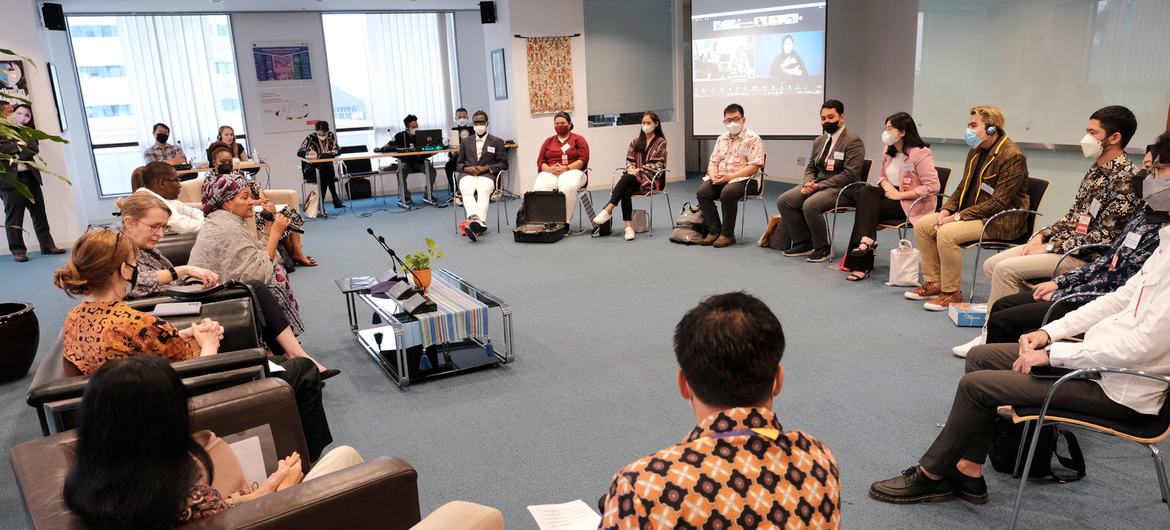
499 74
57 101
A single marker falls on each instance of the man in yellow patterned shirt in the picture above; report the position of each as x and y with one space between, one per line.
738 468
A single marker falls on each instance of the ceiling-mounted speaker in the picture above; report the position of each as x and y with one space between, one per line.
54 16
487 12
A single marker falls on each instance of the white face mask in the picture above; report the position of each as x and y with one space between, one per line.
647 129
734 127
889 138
462 122
480 130
1090 147
412 130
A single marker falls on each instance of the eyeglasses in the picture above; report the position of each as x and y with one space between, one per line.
176 179
159 229
732 120
117 242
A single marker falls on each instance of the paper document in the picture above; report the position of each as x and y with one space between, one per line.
574 515
251 458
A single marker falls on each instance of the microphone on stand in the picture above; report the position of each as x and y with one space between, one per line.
382 241
267 216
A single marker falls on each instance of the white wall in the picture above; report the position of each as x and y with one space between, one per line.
474 90
278 149
23 34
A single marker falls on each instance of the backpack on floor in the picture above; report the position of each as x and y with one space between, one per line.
541 218
689 228
1006 440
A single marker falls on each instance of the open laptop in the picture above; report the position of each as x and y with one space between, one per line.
428 139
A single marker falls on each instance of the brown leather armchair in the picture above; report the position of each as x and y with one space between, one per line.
57 385
176 247
381 493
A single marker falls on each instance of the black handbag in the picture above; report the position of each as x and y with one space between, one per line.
1008 436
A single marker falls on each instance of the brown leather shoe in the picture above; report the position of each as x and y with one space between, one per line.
926 292
52 250
20 257
943 301
709 240
724 241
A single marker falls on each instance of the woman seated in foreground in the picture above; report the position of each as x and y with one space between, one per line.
104 269
139 466
144 221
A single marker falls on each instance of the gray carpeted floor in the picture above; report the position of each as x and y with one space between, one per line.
593 384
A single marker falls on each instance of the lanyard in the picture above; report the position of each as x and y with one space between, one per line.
770 434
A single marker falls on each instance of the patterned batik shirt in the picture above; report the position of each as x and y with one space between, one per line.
1133 246
732 154
737 469
155 153
1106 195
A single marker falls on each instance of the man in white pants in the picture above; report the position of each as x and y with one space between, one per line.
481 157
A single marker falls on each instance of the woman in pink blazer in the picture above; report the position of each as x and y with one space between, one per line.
907 173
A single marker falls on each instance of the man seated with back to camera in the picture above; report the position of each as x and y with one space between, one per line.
737 157
836 161
410 164
1123 329
1017 314
738 467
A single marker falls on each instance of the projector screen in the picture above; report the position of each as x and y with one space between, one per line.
764 55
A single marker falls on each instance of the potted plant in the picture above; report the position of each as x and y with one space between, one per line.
419 264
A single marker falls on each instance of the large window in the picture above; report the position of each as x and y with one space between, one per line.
385 66
136 71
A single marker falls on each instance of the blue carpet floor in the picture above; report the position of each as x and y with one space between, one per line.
593 384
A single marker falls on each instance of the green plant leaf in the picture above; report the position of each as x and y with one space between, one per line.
20 187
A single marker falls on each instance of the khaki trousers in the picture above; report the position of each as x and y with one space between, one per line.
1008 270
336 459
942 258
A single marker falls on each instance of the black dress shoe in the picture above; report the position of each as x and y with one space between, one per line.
970 489
20 257
52 250
911 487
799 250
819 255
329 373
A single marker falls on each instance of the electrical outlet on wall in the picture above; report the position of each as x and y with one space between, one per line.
801 161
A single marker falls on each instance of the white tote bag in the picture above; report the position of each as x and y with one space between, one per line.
904 265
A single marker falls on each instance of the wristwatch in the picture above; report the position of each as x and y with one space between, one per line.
174 274
956 217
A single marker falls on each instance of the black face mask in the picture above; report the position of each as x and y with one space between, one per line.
1137 180
831 126
224 169
133 276
162 137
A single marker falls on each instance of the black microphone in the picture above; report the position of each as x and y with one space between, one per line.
382 241
267 216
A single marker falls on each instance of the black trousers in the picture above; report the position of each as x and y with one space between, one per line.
274 321
627 186
872 208
991 382
727 194
328 181
450 169
302 375
1017 314
15 205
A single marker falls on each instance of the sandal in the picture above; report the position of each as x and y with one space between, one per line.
857 276
859 252
307 262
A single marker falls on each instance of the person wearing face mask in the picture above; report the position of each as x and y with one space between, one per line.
1126 328
1104 203
321 143
413 163
481 157
836 161
461 131
645 158
738 155
161 151
995 179
15 204
907 174
562 161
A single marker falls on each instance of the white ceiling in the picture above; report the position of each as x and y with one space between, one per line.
228 6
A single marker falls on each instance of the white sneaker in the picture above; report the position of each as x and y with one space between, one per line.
629 233
602 217
961 351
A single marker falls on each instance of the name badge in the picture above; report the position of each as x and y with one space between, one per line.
839 155
830 164
491 149
1095 208
1083 223
907 168
1132 240
564 147
987 188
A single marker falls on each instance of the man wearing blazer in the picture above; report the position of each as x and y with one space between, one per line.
836 161
15 203
481 157
995 178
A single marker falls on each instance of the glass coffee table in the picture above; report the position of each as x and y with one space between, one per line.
471 329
